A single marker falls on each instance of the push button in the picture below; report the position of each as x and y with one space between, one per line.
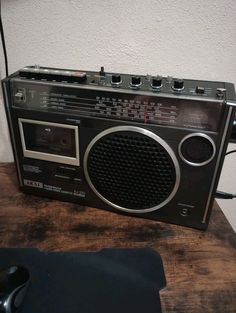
200 90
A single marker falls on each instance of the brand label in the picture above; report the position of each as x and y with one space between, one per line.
33 183
36 184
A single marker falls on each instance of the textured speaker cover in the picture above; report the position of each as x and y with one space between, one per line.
197 149
112 280
131 170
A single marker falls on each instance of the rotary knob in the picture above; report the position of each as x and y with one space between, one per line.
178 84
116 79
135 81
156 82
220 92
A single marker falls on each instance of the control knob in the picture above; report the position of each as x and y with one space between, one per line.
220 92
178 84
135 81
116 79
156 82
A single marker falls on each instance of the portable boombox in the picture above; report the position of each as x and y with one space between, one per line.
146 146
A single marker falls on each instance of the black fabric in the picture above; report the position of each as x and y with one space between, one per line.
111 280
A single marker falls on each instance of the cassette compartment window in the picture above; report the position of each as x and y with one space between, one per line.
50 141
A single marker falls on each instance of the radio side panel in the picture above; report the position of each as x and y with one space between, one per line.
7 103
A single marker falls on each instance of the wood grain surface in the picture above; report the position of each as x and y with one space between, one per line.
200 267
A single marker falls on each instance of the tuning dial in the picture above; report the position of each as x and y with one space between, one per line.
116 79
178 84
156 82
220 92
135 81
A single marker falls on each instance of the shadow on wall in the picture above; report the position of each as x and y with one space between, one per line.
5 145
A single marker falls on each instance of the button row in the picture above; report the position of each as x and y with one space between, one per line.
47 74
156 82
80 77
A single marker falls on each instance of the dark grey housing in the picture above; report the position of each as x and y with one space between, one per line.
146 146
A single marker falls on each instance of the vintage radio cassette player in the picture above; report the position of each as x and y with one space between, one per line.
146 146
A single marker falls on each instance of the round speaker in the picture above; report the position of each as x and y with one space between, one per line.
131 169
197 149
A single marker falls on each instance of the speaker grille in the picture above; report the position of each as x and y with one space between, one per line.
197 149
131 170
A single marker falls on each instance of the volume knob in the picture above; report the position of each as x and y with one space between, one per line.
178 84
135 81
116 79
156 82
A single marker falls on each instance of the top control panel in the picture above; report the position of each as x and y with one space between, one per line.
155 84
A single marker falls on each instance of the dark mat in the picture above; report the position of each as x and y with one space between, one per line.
108 281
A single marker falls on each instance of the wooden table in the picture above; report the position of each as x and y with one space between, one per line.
200 267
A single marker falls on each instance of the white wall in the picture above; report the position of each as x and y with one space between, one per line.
192 39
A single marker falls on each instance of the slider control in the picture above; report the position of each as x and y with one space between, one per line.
200 90
102 72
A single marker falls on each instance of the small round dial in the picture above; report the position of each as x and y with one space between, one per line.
178 84
135 81
156 82
116 79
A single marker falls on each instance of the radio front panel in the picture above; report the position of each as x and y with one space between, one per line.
150 154
139 107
